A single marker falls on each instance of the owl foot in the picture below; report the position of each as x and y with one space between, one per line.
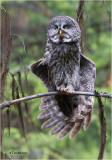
63 89
68 89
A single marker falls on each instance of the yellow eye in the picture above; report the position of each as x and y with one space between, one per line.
56 27
65 27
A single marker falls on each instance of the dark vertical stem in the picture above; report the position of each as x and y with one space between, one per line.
5 48
8 113
13 87
80 20
6 45
109 13
103 128
20 114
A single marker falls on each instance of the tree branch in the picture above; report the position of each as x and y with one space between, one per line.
8 103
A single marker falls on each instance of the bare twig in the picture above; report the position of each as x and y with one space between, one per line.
4 156
22 42
8 103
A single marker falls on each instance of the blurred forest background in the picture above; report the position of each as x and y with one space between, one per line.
29 22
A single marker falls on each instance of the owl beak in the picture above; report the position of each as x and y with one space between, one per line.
60 32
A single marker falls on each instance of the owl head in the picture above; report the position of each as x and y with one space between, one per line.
64 29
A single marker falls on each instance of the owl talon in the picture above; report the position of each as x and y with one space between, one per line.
68 89
63 89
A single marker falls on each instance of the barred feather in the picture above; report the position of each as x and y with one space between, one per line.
58 127
89 108
76 128
50 122
49 112
65 130
47 102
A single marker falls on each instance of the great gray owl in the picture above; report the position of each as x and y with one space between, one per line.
65 69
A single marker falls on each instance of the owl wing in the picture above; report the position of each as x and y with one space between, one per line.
87 80
87 73
40 69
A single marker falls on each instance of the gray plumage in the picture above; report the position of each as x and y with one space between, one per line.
65 69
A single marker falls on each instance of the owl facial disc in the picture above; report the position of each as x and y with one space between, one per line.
64 29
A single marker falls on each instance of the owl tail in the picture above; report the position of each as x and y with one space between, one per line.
63 124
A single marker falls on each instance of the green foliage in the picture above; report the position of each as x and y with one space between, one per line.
32 27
